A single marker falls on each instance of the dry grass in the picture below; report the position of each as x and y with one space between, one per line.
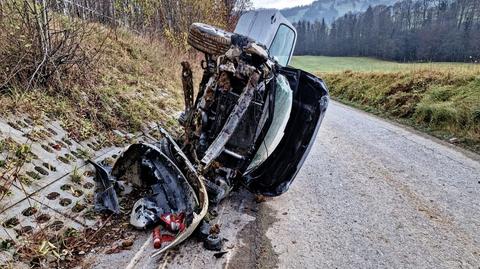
136 80
443 103
442 99
41 50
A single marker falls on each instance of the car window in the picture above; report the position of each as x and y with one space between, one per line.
282 45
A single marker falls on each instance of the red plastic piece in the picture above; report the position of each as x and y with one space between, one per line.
167 238
174 222
157 238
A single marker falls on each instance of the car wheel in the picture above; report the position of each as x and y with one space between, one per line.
209 39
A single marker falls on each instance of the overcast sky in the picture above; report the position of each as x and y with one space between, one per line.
278 4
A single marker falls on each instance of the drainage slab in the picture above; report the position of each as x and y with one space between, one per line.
54 188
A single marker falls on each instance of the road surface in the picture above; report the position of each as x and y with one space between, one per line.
371 194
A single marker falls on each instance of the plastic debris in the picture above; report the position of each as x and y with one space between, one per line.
174 222
105 197
145 213
157 238
213 242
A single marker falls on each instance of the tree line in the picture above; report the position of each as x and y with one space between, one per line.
167 18
422 30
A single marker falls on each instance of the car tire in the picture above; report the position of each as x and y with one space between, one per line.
209 39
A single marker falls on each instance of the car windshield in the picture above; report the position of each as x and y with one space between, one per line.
282 45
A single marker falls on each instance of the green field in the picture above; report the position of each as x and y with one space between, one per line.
442 99
324 64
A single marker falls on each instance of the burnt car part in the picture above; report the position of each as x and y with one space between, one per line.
232 122
224 103
187 82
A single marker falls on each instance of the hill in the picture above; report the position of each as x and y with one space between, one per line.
330 9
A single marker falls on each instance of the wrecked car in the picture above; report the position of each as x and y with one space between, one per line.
252 124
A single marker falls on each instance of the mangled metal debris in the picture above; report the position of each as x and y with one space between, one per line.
174 196
252 124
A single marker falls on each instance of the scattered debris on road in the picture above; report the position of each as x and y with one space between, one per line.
219 255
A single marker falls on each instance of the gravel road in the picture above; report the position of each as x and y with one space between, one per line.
371 194
375 195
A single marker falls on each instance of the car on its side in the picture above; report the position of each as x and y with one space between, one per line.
252 123
274 136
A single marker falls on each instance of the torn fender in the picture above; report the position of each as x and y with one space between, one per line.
197 182
140 158
154 168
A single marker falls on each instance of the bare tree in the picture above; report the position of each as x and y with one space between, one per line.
38 50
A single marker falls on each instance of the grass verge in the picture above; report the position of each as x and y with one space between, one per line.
443 103
442 99
135 80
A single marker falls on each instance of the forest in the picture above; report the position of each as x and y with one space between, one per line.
422 30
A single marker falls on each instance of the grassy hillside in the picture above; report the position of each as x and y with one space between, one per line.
440 98
134 80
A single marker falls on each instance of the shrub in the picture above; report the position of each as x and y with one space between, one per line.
41 50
